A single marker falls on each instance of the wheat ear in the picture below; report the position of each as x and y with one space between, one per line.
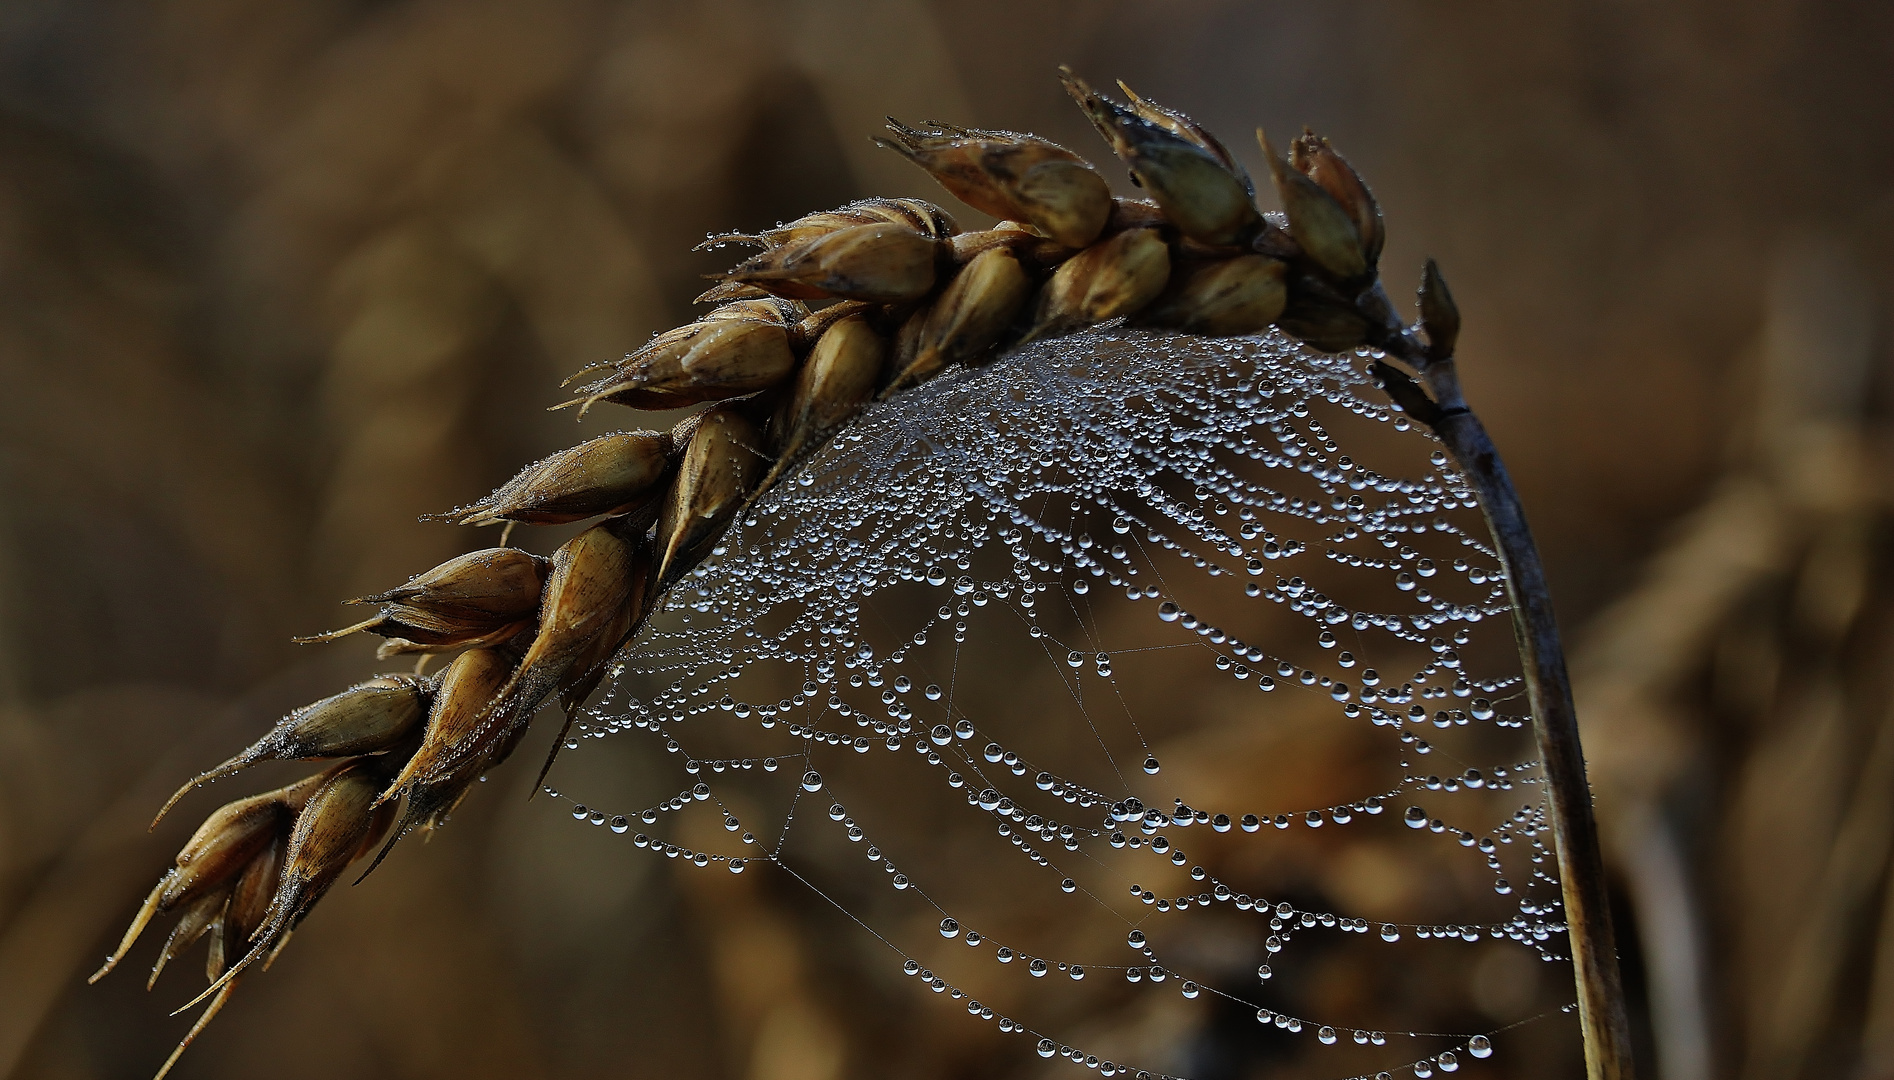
910 296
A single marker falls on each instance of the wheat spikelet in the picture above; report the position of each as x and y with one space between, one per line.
910 296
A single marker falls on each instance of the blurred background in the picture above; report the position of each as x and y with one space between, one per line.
275 278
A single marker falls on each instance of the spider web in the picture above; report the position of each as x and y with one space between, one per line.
1107 511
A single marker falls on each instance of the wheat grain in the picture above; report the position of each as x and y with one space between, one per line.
461 728
1117 276
1194 187
367 718
838 378
882 263
717 357
969 316
915 296
1012 176
1221 297
612 474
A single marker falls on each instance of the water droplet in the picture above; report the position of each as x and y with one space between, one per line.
1326 1036
1480 1046
1415 817
932 692
1168 611
1135 939
1037 968
812 781
1151 765
1047 1048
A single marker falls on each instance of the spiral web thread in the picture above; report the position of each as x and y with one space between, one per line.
1107 469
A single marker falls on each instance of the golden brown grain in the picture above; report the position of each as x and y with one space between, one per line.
609 474
1012 176
968 317
882 263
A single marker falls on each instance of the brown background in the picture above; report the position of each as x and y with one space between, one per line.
277 277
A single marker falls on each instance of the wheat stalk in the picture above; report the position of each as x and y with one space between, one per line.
910 295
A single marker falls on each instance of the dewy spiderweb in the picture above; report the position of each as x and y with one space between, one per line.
1110 499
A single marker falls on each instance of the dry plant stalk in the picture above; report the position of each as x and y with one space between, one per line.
907 296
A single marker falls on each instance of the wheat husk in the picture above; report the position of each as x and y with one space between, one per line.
721 467
610 474
1221 297
1198 193
1313 156
837 379
1324 231
367 718
1105 281
1011 176
968 317
882 262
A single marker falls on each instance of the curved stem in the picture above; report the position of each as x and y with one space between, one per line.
1601 1010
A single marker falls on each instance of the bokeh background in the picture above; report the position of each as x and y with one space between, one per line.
277 277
